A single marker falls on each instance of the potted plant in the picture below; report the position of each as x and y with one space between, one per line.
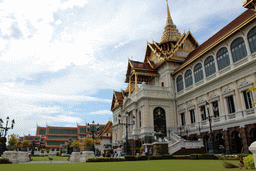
47 150
63 150
42 150
12 142
24 145
87 142
75 144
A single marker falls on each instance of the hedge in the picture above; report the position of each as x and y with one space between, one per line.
130 158
5 161
157 157
143 157
167 156
106 159
209 156
181 157
195 156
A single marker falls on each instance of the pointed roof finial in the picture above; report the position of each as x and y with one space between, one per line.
168 12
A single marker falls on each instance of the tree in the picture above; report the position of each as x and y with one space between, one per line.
13 140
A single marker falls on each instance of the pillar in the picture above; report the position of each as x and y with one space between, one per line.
244 140
227 141
136 81
130 85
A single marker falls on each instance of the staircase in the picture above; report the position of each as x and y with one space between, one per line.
178 145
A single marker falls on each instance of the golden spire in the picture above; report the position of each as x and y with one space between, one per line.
171 33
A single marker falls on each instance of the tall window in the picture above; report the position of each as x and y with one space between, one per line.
183 120
238 49
188 78
203 113
215 107
198 71
140 119
192 116
223 58
231 104
209 65
252 39
180 83
248 99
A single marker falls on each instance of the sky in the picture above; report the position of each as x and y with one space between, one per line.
61 60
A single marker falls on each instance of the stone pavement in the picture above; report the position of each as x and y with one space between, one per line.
34 162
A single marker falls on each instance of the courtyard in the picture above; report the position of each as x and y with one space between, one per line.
174 165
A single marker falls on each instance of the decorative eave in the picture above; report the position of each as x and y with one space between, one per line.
250 4
219 37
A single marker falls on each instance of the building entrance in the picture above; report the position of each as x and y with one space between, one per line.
159 120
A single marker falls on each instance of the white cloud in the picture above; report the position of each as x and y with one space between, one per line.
101 112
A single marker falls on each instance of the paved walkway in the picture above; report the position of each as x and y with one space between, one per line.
34 162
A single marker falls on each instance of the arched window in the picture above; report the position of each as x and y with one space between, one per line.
223 58
209 66
188 78
198 71
252 39
180 83
238 49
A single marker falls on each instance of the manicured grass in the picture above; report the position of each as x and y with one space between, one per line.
150 165
46 158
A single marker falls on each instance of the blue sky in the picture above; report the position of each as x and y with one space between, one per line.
61 59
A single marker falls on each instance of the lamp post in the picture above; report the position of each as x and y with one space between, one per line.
211 142
93 131
3 133
127 146
33 147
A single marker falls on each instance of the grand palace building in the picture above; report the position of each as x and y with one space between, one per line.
180 83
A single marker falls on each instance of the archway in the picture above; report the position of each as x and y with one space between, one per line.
236 142
252 135
220 142
159 120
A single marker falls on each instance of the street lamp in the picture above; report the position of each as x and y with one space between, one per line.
33 147
127 146
93 131
211 142
3 131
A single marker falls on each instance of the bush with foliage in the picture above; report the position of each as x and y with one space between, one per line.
106 159
42 150
143 157
249 162
13 140
63 150
5 161
87 142
25 144
167 156
130 158
157 157
209 156
181 157
159 149
195 156
48 150
229 165
142 149
75 144
57 153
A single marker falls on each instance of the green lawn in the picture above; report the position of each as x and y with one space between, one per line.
150 165
55 158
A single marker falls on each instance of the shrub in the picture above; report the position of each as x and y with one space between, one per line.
195 156
75 144
87 142
167 156
229 165
157 157
143 157
159 149
249 162
63 150
25 144
241 156
130 158
57 153
42 150
142 149
181 157
13 140
47 150
106 159
209 156
4 161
